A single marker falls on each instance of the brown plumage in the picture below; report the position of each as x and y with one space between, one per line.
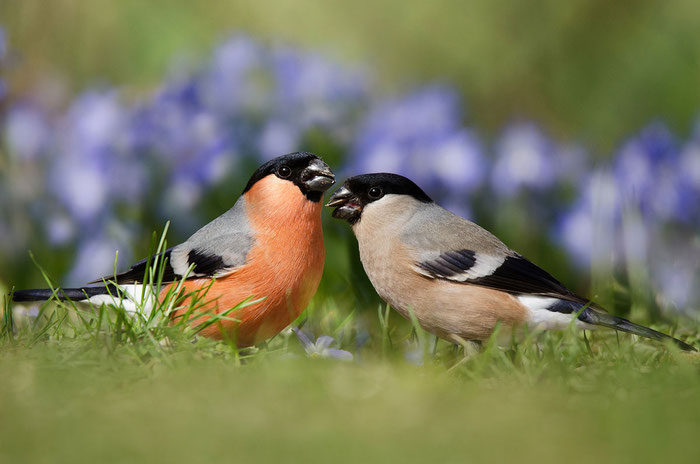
458 279
439 305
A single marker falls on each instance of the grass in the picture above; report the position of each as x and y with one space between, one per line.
59 406
88 384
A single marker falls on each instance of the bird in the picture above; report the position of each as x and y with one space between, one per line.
268 247
459 280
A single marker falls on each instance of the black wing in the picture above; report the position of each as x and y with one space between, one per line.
205 265
139 271
519 275
515 275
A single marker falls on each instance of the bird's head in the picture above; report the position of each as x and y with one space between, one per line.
351 199
305 170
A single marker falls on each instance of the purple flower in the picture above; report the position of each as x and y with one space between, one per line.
313 90
524 159
675 272
192 145
278 137
689 164
421 137
321 347
80 171
647 172
81 186
3 44
574 232
95 258
590 228
26 131
59 229
430 112
235 81
572 164
688 174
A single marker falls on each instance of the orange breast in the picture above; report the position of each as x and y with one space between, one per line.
284 267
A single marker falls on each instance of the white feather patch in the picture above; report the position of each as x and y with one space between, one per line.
135 299
542 318
484 265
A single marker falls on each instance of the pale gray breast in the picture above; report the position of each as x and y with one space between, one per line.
378 236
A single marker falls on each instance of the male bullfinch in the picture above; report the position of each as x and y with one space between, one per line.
269 246
456 277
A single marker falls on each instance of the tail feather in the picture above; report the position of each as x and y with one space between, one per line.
592 316
74 294
133 297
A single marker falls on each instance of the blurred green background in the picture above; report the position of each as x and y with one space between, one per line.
591 70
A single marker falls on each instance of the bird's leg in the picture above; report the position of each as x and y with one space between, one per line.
435 345
471 347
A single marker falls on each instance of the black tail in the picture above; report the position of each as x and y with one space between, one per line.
592 316
74 294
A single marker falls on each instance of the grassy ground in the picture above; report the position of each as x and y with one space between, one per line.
95 387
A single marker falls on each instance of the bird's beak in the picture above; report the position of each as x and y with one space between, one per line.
339 197
346 204
317 176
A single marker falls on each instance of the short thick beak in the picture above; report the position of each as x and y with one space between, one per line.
346 204
339 197
318 176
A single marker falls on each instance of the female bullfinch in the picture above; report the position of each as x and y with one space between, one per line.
455 276
269 246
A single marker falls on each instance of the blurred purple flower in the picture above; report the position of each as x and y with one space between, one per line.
278 137
3 54
321 347
60 229
688 174
313 90
647 173
421 137
675 273
249 100
430 112
524 159
95 258
235 82
572 164
26 131
574 232
192 146
588 229
3 44
689 164
81 175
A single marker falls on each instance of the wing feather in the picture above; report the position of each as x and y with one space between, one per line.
515 275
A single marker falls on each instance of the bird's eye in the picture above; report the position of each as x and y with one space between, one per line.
375 193
284 171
